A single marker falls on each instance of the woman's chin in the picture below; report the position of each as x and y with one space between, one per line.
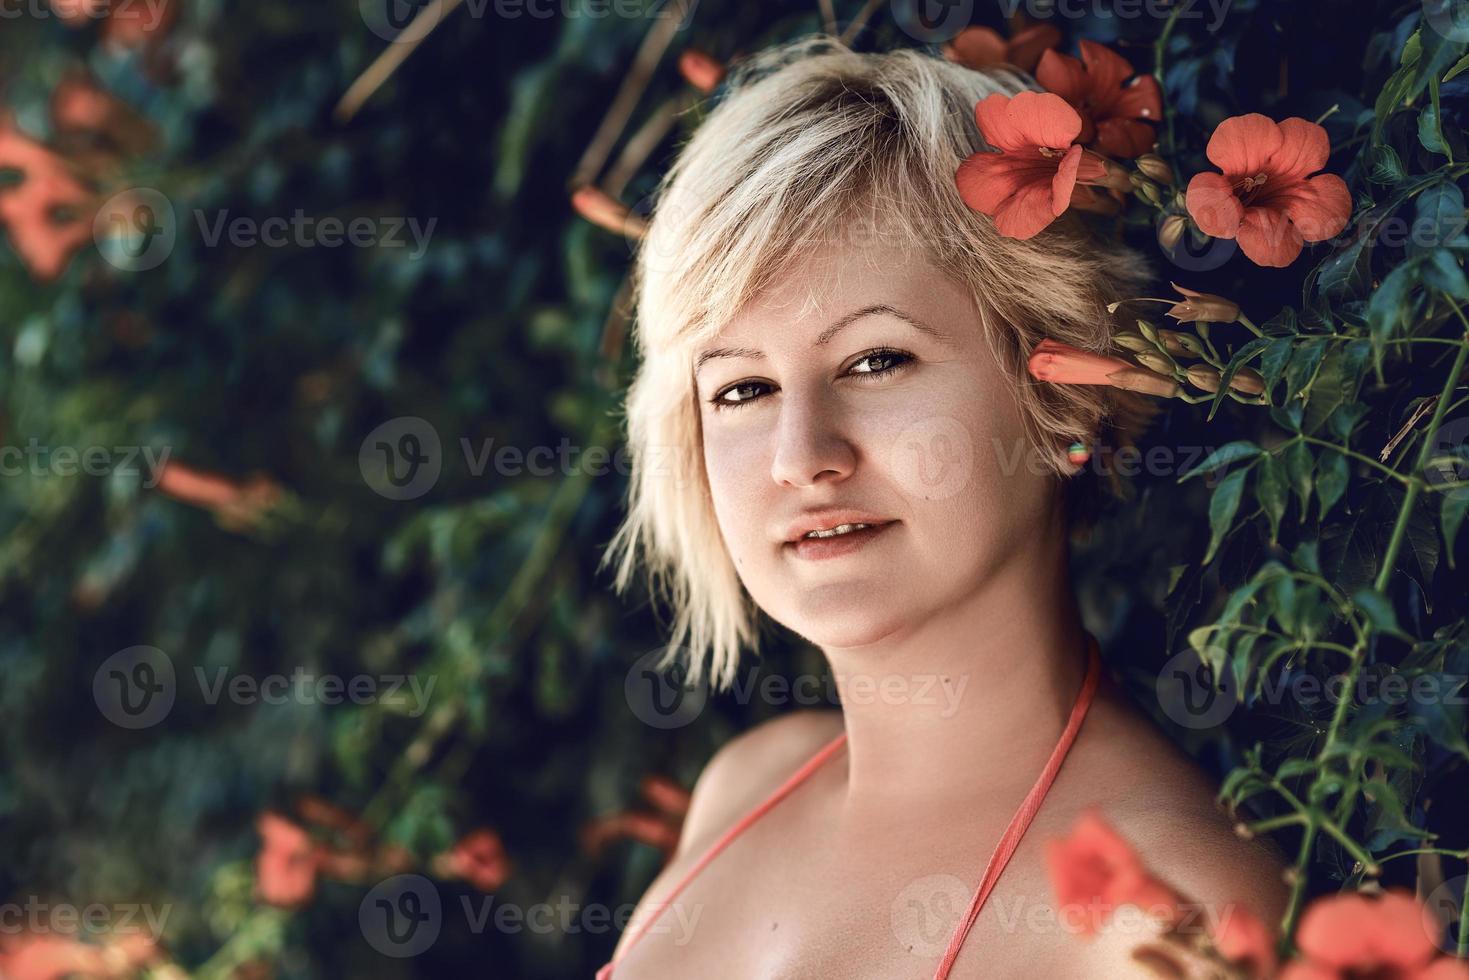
858 625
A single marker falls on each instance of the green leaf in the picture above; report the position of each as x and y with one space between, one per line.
1274 492
1343 273
1228 453
1307 556
1283 599
1451 518
1459 66
1388 308
1428 133
1444 273
1389 803
1379 612
1331 479
1292 768
1222 508
1241 357
1275 358
1438 216
1386 167
1303 366
1298 465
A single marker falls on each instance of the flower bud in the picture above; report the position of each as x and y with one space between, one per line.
1181 344
1155 361
1155 168
1196 306
701 70
1169 340
605 211
1131 340
1249 381
1171 230
1142 380
1203 376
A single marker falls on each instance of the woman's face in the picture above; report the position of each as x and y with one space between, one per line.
859 388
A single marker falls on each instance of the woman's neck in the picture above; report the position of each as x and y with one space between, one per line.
968 700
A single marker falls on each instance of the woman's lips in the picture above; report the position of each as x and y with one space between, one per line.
819 549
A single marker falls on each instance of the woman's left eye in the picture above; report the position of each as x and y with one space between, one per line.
879 362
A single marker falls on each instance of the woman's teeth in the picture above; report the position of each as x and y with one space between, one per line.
839 529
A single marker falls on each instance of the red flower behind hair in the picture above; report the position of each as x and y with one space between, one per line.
1116 115
1029 182
983 47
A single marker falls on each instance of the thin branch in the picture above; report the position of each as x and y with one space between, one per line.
640 145
849 33
1407 427
393 57
650 52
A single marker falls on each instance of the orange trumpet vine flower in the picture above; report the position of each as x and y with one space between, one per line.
1266 197
1097 870
1353 935
1029 183
1116 118
982 47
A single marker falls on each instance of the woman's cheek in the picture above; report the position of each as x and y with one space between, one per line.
738 469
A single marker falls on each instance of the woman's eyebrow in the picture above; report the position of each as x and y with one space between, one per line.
826 335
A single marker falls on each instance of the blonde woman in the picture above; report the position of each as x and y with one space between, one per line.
832 426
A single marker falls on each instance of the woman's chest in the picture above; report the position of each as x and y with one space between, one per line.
788 900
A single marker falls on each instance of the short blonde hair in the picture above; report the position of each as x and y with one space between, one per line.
809 137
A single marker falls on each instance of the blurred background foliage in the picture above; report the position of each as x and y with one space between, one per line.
265 550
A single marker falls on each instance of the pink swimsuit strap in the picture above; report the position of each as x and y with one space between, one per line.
1009 841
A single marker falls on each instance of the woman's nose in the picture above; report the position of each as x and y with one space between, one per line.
810 444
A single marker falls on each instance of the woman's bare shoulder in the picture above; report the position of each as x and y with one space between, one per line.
749 767
1167 806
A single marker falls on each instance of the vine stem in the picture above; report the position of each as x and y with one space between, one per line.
1384 576
1158 48
1462 949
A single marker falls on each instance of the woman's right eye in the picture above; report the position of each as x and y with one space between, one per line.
740 392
